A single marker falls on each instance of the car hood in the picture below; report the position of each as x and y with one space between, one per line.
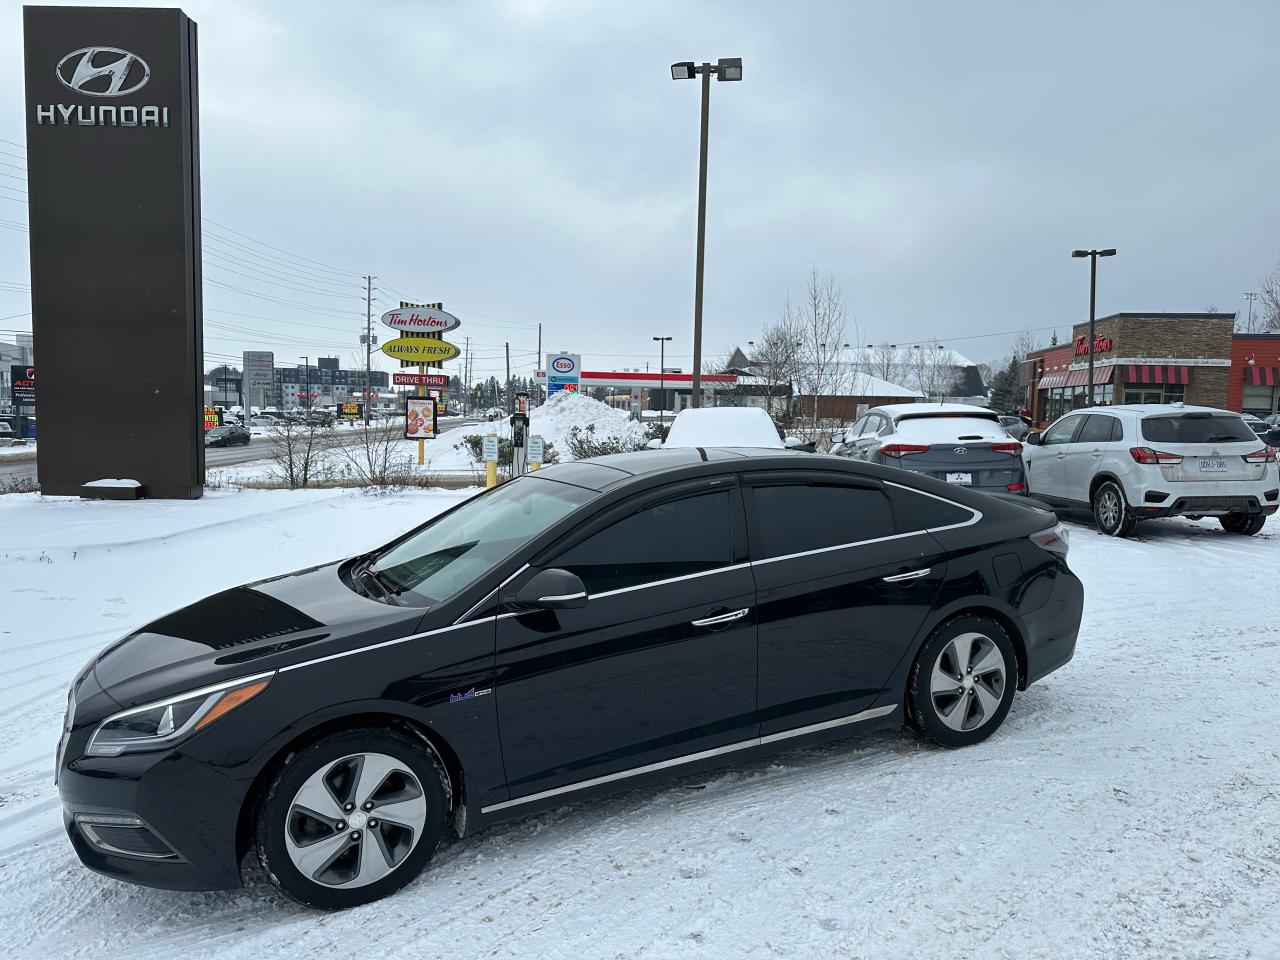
245 630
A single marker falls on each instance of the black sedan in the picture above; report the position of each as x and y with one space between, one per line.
585 628
226 436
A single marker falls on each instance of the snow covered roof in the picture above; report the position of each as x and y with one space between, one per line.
865 385
896 410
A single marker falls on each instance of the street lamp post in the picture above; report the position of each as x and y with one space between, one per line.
1093 256
728 69
662 378
306 366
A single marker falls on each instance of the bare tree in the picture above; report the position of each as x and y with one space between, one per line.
819 326
1270 290
377 456
934 369
775 358
1024 343
296 456
883 360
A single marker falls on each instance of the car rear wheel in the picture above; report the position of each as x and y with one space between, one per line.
1246 524
962 682
351 818
1111 512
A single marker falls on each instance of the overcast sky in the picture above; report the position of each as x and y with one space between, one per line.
533 162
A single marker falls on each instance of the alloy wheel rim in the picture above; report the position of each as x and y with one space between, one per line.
967 682
1109 507
355 820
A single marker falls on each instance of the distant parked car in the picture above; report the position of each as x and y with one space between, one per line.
6 431
954 442
1133 462
748 427
1016 427
226 436
1256 424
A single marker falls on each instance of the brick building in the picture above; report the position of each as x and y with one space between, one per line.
1254 386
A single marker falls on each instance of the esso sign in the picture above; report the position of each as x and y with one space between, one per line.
563 365
420 320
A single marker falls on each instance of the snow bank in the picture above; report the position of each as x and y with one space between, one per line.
552 421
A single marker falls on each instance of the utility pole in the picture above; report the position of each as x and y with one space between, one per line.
537 397
1250 297
1093 256
368 343
466 378
507 389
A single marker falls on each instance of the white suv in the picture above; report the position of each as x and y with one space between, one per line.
1129 463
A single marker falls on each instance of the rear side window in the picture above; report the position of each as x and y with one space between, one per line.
795 518
921 512
659 542
1197 428
1099 428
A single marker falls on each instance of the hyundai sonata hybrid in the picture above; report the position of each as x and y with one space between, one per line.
589 627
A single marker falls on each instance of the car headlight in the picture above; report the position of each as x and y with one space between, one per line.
165 722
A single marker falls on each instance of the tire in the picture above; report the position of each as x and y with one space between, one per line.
1111 512
312 860
1245 524
942 713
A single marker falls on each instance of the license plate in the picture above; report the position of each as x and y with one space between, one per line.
1213 464
963 479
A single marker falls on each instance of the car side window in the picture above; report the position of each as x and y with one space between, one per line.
855 428
885 427
1061 432
921 511
1098 428
799 517
666 540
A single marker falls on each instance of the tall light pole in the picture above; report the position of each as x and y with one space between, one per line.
662 378
730 69
306 366
1093 256
1250 297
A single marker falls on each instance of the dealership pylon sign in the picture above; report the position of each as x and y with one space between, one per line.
113 176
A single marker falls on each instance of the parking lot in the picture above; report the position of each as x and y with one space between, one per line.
1128 808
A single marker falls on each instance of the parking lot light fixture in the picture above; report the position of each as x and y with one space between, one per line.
730 69
1093 256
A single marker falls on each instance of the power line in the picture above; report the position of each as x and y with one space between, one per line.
327 266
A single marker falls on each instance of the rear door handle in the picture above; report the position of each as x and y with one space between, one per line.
909 575
722 618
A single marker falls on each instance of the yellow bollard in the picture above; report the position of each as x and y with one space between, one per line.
534 466
491 474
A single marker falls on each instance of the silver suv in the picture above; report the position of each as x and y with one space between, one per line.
1129 463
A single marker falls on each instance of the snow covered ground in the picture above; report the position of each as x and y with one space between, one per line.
1130 806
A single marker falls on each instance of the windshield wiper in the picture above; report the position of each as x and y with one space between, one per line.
387 588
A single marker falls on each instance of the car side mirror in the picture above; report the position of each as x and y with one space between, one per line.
837 438
551 589
654 444
1034 439
792 442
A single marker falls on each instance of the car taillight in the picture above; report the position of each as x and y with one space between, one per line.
1015 487
899 449
1054 539
1265 455
1147 455
1014 448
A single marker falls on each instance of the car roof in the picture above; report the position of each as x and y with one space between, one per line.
896 410
600 473
1157 409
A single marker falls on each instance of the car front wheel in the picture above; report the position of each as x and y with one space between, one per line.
962 683
351 818
1245 524
1111 512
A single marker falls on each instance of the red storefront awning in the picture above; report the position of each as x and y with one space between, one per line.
1157 373
1262 376
1078 378
1049 381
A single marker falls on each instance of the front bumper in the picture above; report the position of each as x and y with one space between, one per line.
189 809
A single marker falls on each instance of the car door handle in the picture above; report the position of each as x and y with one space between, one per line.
909 575
722 618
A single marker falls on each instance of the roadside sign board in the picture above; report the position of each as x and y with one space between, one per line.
441 408
535 448
22 385
420 319
419 379
259 377
419 418
489 446
420 350
212 418
564 371
351 410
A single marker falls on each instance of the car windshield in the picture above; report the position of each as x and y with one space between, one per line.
1197 428
219 432
442 558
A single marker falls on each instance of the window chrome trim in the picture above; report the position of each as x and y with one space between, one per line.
868 714
659 583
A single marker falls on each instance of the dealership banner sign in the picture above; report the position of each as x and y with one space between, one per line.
22 385
113 183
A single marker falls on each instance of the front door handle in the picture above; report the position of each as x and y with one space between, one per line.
721 619
909 575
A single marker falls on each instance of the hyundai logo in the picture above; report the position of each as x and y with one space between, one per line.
103 71
960 451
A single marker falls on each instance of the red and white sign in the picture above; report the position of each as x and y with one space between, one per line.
420 319
420 379
1101 344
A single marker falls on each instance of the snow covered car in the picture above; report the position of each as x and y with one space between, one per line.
592 626
745 427
954 442
1139 461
